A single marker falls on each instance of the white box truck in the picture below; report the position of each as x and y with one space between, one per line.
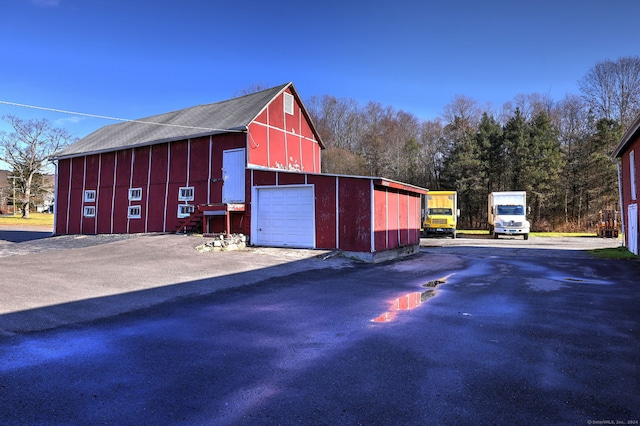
507 214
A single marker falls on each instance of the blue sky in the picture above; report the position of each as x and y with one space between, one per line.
132 59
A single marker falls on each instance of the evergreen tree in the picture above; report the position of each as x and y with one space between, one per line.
516 145
543 167
464 172
602 177
489 139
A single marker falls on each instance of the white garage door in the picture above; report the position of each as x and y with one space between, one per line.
284 217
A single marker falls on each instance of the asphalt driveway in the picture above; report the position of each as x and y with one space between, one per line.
477 335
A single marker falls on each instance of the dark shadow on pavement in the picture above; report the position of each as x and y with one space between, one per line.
19 236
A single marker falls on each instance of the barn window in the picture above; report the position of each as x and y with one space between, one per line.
632 173
89 211
288 103
135 194
90 196
134 212
186 193
185 210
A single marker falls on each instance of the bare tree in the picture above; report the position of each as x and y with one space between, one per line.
27 150
433 151
612 89
463 112
529 106
253 88
339 123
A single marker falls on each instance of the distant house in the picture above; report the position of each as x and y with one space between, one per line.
247 165
627 152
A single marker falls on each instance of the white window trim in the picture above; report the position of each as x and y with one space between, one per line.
185 210
632 173
288 103
90 196
135 194
134 212
89 211
185 193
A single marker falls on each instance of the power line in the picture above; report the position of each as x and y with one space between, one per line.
105 117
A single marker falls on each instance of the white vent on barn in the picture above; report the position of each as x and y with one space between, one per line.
288 103
185 210
135 212
89 211
135 194
90 196
186 193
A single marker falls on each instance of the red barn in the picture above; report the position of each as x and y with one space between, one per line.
628 174
247 165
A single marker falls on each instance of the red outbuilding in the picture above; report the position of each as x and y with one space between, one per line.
628 174
247 165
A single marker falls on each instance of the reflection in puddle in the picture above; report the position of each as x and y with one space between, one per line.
409 301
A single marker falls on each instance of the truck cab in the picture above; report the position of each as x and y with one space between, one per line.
441 214
507 214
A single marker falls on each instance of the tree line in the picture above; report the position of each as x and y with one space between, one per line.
557 151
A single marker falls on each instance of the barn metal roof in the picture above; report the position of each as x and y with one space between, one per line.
233 115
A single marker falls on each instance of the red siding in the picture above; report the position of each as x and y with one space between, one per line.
179 152
156 201
92 168
104 212
325 205
310 152
77 177
258 146
62 196
343 218
414 218
159 164
283 141
626 179
104 209
275 112
277 149
397 218
140 168
380 221
199 161
75 207
263 177
626 173
291 178
294 160
354 214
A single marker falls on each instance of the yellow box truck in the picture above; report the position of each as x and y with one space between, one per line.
441 213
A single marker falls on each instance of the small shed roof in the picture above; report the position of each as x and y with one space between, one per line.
233 115
631 135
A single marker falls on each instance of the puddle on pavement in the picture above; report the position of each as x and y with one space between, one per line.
410 300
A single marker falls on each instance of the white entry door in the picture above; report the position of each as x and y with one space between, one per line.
632 228
233 169
285 216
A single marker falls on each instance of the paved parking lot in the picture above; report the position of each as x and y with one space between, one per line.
487 332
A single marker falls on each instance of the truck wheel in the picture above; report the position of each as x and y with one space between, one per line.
526 236
495 236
